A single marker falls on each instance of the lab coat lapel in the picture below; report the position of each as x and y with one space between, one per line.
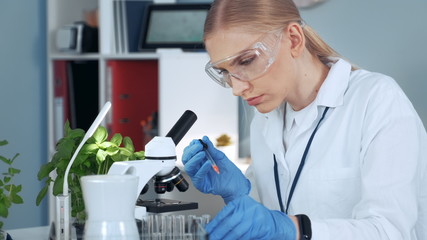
273 136
331 94
265 141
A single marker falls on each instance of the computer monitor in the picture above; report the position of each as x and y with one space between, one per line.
174 26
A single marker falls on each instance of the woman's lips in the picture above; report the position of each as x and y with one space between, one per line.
254 101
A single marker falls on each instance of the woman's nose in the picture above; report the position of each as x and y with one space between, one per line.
239 86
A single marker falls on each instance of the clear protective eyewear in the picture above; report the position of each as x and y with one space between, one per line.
248 64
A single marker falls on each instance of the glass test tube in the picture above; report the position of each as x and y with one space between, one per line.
173 227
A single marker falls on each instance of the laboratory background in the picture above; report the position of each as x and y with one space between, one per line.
386 36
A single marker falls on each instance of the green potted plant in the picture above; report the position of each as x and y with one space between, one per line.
95 157
9 192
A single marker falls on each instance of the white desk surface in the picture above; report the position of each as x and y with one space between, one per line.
33 233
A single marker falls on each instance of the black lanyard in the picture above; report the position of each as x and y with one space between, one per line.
301 165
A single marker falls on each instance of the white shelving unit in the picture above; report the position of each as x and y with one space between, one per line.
182 81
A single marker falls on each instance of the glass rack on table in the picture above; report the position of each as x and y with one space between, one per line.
174 227
157 227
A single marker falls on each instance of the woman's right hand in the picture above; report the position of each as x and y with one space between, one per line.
230 183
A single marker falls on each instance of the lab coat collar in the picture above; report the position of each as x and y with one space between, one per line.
297 116
331 93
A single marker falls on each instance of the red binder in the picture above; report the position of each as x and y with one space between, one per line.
134 97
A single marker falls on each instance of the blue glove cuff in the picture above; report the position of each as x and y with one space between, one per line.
230 198
289 231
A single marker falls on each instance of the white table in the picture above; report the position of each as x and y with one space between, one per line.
33 233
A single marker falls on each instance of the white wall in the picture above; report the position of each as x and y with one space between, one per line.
386 36
183 86
23 102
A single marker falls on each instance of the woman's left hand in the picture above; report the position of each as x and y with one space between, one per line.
244 218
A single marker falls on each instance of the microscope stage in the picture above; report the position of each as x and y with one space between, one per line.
160 205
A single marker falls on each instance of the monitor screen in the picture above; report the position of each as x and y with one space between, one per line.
174 26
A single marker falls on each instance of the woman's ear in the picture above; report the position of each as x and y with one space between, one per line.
297 39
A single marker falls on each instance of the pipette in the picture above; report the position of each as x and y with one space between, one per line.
208 155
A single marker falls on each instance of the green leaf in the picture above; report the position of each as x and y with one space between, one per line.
140 155
5 160
42 194
58 185
14 157
55 158
65 148
6 179
75 189
101 155
17 189
126 152
45 170
106 145
86 163
67 128
100 134
120 157
7 202
13 171
116 157
91 140
80 159
77 134
59 142
3 142
8 187
117 139
61 166
89 148
1 184
113 150
3 209
16 199
128 144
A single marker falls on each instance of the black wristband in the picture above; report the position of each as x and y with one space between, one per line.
304 226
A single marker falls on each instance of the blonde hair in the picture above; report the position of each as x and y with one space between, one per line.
264 16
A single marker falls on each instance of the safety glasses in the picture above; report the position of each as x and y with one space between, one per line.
248 64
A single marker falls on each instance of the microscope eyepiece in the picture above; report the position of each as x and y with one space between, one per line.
182 126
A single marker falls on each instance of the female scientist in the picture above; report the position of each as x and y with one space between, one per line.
337 152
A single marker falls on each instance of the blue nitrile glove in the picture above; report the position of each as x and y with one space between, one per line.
229 184
245 218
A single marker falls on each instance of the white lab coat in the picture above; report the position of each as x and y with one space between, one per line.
365 173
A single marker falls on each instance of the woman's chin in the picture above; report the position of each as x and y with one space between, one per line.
262 108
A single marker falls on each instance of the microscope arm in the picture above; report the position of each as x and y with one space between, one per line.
144 169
